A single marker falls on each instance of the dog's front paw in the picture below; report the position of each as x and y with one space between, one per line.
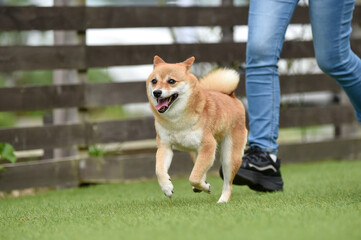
167 188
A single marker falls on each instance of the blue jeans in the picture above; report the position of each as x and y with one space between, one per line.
268 20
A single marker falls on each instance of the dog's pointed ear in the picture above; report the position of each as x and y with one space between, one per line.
157 60
189 62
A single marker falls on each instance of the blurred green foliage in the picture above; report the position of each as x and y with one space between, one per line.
34 78
106 113
97 75
7 152
7 119
2 81
45 77
96 151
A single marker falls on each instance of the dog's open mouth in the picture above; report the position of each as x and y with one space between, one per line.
164 103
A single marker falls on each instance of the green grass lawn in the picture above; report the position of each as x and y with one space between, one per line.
320 201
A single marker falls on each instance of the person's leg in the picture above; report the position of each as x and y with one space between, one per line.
331 28
267 22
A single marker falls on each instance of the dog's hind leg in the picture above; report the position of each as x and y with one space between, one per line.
203 163
226 161
232 148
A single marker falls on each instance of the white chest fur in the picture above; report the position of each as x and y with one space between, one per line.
185 139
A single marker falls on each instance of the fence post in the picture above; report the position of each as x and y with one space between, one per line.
69 115
350 130
227 32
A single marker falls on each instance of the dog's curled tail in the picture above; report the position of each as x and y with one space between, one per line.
222 80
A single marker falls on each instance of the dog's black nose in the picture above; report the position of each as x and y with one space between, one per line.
157 93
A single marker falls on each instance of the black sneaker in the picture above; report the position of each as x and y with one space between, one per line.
259 171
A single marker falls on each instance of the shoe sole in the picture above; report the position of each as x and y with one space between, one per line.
257 181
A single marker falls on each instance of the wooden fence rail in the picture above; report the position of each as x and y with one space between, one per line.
82 18
86 134
76 170
81 57
71 172
82 134
92 95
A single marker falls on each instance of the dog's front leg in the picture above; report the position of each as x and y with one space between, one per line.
163 160
203 163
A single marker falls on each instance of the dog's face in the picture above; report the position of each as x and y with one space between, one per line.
170 85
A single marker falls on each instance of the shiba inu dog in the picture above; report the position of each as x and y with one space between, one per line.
196 116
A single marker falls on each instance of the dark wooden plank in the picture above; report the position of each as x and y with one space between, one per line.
93 95
52 136
102 169
45 137
143 54
99 95
119 168
301 15
42 57
342 149
299 84
80 57
46 173
80 18
356 45
41 97
297 49
205 52
119 131
71 95
140 166
307 83
137 166
68 57
118 17
308 116
70 172
356 18
42 18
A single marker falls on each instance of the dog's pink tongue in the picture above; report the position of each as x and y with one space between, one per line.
162 103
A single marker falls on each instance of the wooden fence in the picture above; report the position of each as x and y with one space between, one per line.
76 170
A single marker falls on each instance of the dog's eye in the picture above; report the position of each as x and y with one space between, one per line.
171 81
154 81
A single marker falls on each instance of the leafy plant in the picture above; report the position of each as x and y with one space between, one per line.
7 152
96 151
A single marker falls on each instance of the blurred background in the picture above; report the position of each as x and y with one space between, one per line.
158 35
